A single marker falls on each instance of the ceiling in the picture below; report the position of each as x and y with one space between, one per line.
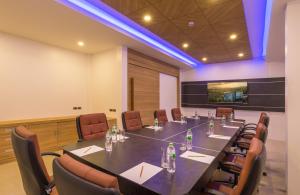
52 23
214 21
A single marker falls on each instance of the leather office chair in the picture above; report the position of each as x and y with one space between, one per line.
35 178
75 178
234 162
250 174
176 114
224 112
91 126
132 120
161 116
249 130
260 133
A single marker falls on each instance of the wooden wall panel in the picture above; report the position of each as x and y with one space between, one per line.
145 91
143 83
53 133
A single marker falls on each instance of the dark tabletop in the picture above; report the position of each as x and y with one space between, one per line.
145 146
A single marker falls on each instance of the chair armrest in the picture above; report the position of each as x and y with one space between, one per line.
250 124
236 153
50 154
231 167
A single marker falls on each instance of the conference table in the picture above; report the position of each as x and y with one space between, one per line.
144 146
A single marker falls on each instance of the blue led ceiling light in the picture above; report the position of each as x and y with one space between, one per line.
108 16
267 26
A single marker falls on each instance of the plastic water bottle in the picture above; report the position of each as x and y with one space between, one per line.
196 115
231 117
155 122
189 139
171 158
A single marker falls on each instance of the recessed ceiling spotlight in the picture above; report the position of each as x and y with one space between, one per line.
147 18
185 45
204 59
80 43
241 55
191 23
233 36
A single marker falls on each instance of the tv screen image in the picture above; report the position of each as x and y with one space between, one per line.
227 92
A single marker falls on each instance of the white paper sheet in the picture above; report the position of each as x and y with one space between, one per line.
154 128
204 158
134 174
87 150
220 137
232 127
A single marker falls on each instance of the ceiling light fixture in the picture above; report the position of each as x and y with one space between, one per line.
233 36
191 23
241 55
204 59
106 15
147 18
80 43
185 45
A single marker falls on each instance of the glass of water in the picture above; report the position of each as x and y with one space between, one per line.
223 120
121 135
164 160
108 144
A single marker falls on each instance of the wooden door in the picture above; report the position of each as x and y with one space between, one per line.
143 92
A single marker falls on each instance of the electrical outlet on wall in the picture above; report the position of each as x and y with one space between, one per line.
112 110
74 108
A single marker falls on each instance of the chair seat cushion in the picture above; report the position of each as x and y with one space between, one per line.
233 163
218 188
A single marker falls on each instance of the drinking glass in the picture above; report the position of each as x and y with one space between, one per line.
164 160
121 135
182 147
108 144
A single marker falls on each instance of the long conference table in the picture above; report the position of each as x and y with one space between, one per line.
145 145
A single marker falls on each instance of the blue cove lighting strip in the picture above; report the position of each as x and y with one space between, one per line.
268 14
108 16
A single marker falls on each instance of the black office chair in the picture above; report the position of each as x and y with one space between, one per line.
35 178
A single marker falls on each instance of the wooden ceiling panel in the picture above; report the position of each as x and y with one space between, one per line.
213 22
126 6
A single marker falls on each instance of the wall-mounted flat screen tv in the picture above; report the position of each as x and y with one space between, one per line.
227 92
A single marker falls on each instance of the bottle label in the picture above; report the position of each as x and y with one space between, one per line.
189 137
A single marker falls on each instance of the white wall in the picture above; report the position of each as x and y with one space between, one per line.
108 72
38 80
242 70
293 94
167 93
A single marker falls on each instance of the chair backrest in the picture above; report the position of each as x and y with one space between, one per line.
161 116
252 170
132 120
261 132
176 114
264 118
76 178
33 171
90 126
224 112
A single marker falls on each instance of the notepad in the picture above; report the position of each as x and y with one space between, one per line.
220 137
155 128
87 150
204 158
141 172
232 127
